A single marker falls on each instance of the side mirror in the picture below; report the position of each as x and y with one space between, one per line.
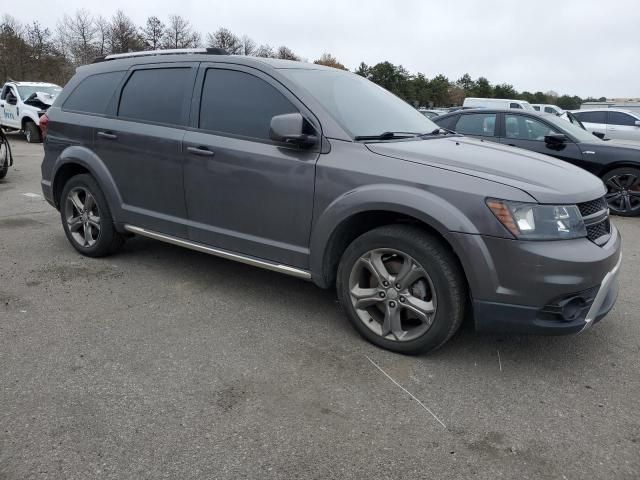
292 128
637 123
600 135
555 139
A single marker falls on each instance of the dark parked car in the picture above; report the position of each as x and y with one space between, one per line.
320 174
617 164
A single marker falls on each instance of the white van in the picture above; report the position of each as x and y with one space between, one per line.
471 102
547 108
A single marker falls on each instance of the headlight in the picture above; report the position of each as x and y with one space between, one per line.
530 221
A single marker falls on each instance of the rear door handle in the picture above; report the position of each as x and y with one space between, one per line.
107 135
204 151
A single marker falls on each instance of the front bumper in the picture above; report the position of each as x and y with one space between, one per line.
546 288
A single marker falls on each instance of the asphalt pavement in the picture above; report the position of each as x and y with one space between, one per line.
159 362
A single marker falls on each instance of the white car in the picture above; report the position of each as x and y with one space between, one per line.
471 102
23 103
547 108
613 123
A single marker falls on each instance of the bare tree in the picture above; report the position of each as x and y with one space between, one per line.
265 51
225 39
153 32
123 34
77 37
180 34
330 61
248 46
102 34
13 49
286 53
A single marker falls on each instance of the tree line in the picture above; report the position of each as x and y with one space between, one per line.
34 52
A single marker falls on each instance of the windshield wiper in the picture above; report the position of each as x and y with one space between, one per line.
388 136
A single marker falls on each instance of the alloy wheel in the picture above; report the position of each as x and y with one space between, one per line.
392 294
83 217
623 193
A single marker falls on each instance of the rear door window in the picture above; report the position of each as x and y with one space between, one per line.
478 124
94 93
238 103
157 95
592 117
619 118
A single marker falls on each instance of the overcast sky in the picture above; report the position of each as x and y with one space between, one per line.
578 47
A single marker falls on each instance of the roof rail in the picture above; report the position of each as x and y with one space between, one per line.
175 51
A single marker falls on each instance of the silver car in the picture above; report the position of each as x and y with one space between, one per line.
614 123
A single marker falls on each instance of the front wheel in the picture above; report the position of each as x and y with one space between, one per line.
402 289
623 191
32 132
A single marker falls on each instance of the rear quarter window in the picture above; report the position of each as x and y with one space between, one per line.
94 93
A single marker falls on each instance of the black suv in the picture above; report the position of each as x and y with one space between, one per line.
617 162
321 174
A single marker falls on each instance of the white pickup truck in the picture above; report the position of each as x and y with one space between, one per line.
22 104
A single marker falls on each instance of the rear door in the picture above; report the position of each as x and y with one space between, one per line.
622 126
480 125
528 132
246 193
141 144
594 121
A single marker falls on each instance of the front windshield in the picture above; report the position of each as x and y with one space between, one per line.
572 129
361 107
25 91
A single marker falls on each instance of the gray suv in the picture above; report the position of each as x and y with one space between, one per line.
323 175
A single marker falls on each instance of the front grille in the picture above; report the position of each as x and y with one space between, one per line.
599 227
594 206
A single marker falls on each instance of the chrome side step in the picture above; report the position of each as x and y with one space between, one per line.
295 272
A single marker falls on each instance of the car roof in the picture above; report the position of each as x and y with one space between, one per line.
621 110
467 111
126 62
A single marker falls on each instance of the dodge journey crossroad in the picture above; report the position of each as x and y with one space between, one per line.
323 175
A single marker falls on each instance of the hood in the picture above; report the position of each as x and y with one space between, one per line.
546 179
40 100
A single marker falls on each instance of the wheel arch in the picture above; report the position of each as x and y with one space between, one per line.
355 213
76 160
619 164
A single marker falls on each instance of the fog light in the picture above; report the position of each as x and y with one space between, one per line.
573 308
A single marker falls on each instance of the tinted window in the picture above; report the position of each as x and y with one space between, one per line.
536 107
618 118
448 122
515 105
157 95
94 93
483 124
520 127
239 103
592 117
549 110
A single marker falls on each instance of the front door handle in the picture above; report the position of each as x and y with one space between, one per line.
204 151
107 135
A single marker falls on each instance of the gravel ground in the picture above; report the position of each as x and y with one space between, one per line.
161 362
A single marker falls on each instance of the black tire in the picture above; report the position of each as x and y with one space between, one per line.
4 156
4 168
623 191
107 239
32 132
446 277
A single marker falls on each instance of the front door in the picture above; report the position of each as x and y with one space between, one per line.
526 132
622 126
9 107
244 192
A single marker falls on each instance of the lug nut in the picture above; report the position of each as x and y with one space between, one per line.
385 283
382 294
398 286
401 299
392 304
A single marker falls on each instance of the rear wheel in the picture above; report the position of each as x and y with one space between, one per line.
4 158
32 132
402 289
86 218
623 191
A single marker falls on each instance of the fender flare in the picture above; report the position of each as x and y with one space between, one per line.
84 157
422 205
